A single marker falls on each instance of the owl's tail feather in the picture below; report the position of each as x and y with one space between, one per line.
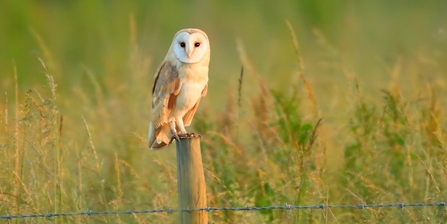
158 139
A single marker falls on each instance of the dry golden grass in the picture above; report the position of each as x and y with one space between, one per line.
346 109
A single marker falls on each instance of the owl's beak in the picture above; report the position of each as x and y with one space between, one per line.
189 52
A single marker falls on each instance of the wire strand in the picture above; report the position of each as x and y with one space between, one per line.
212 209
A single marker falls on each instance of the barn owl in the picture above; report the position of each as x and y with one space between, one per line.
180 82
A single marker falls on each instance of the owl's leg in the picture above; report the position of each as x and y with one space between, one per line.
183 133
180 125
173 132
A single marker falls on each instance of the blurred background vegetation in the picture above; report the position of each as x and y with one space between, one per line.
73 132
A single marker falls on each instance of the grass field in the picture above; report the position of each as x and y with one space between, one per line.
76 79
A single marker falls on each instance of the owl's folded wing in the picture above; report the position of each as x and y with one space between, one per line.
164 94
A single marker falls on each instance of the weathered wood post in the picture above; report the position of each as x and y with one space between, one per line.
191 181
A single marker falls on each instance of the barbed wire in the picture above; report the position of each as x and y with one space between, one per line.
211 209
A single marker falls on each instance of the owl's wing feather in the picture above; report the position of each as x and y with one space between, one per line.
187 118
164 94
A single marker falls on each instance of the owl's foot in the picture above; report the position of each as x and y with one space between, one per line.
174 136
177 137
189 135
192 135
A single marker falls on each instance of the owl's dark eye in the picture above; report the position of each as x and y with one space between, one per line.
182 44
197 44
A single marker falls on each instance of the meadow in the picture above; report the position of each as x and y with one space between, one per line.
309 102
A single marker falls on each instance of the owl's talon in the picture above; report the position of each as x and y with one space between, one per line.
174 136
182 136
191 135
186 135
195 135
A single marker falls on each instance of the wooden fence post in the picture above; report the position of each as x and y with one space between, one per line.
191 181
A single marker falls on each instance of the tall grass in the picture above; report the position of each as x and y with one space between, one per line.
335 105
265 153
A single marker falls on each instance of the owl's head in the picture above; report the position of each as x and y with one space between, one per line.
190 45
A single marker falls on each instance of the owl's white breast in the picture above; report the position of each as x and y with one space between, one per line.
193 79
